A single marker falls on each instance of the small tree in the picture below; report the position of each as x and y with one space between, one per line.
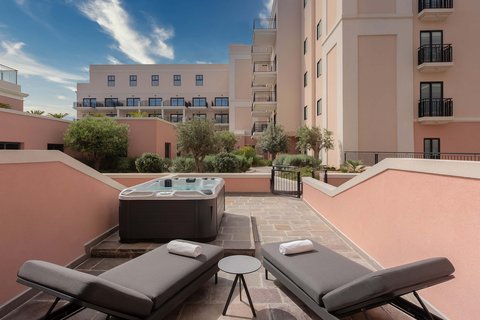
58 115
97 138
314 139
4 106
274 140
226 140
196 137
37 112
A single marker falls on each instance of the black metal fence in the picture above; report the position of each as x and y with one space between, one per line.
435 107
434 4
286 180
371 158
435 53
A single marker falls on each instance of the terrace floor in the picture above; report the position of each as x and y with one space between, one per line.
276 219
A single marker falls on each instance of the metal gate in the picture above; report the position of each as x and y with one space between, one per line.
286 180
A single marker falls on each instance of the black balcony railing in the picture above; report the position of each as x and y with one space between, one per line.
434 4
259 126
268 23
435 107
370 158
435 53
264 96
264 66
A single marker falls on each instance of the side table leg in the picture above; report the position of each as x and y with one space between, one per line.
240 289
230 294
248 295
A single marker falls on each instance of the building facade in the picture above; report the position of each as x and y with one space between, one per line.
11 95
385 76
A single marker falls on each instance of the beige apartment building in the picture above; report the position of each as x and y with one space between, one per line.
11 95
173 92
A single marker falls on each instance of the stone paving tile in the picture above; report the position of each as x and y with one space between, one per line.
277 219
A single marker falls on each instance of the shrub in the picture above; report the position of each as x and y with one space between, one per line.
225 140
352 166
208 163
183 164
226 162
246 151
297 160
244 163
118 164
151 162
262 162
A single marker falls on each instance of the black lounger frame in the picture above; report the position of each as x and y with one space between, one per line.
76 305
393 298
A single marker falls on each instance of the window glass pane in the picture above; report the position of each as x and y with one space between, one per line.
221 101
155 80
199 80
436 90
177 80
199 102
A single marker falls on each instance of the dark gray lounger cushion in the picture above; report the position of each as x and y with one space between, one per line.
159 274
387 281
317 272
86 287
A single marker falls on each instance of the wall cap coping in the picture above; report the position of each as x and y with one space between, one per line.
25 114
42 156
454 168
245 175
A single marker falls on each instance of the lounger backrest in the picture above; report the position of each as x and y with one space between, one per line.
86 287
388 281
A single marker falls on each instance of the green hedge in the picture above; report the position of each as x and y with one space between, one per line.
298 160
151 162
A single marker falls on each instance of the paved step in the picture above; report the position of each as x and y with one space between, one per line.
236 235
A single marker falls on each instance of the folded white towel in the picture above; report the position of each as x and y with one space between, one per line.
297 246
184 248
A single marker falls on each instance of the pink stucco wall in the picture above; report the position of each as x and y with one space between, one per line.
454 137
14 104
33 132
48 212
401 216
150 135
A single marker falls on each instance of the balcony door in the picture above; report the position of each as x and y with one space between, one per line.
431 98
431 45
431 148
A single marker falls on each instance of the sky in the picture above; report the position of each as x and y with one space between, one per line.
52 42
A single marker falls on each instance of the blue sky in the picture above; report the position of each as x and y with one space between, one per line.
52 42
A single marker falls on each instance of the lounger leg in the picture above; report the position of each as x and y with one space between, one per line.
423 305
365 314
64 312
216 277
230 294
248 295
51 308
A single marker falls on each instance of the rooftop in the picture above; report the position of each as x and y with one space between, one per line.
271 222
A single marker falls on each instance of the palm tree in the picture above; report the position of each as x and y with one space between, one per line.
58 115
37 112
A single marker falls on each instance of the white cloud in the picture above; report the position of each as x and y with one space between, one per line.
116 22
61 97
202 62
12 55
113 60
267 9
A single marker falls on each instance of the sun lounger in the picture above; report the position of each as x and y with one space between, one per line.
147 287
334 286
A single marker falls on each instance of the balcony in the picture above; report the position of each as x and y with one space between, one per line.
434 10
435 111
8 74
259 127
435 58
264 102
264 73
261 53
264 32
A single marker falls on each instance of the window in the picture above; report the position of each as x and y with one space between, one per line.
201 116
319 107
177 102
111 81
221 102
155 80
154 102
9 145
133 80
133 102
90 102
168 150
304 3
431 46
111 102
221 118
305 77
177 80
319 29
55 146
111 115
305 46
431 99
319 68
177 117
199 102
431 148
305 113
199 80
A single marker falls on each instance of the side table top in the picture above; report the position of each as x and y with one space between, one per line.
239 264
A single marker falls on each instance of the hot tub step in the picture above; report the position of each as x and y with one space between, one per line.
235 235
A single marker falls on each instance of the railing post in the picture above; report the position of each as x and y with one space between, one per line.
272 181
376 158
299 183
325 176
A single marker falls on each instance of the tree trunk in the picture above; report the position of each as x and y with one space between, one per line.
316 153
199 164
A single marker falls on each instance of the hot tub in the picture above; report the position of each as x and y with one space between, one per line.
161 210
